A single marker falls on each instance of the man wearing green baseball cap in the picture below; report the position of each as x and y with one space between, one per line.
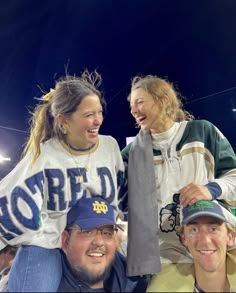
208 232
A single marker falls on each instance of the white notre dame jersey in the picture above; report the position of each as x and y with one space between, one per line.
35 198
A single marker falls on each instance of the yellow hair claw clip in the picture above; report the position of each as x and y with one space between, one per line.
49 95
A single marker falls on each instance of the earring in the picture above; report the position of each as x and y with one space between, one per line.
63 130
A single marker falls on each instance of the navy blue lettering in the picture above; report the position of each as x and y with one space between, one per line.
56 183
31 223
76 187
36 180
6 235
6 221
103 173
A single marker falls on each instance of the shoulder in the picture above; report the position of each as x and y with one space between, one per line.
104 139
205 128
52 143
119 264
135 284
202 128
120 259
200 124
173 278
125 151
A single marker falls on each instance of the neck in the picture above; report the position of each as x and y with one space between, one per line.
212 281
162 126
81 149
98 285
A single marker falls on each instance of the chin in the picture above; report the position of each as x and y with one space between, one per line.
91 141
143 126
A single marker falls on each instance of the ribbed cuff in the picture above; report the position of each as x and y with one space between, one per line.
214 189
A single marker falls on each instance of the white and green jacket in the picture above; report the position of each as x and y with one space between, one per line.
194 151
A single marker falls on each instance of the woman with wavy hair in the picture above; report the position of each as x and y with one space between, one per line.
65 158
174 161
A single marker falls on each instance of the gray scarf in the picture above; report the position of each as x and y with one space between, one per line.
143 257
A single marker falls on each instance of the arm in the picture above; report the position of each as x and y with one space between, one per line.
123 194
223 186
225 169
20 203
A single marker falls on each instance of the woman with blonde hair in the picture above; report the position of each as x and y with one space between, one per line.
64 160
174 160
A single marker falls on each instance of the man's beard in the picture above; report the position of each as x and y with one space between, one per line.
84 275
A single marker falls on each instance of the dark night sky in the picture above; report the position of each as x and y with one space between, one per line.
192 43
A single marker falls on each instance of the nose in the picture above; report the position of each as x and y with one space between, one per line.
133 109
204 236
98 238
98 119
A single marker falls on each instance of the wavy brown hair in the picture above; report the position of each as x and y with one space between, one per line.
64 99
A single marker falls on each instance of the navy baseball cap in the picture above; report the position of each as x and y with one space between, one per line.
89 213
204 208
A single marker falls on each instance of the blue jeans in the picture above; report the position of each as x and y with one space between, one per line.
35 269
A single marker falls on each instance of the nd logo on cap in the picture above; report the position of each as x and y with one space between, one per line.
100 207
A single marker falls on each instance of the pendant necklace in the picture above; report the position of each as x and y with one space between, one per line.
81 152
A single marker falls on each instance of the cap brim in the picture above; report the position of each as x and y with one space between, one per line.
120 227
93 223
187 220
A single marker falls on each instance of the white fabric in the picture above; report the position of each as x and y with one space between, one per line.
35 199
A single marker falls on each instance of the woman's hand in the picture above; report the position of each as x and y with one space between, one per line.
192 193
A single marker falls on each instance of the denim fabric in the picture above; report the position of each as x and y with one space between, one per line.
35 269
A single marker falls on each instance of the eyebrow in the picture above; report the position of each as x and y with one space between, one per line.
213 222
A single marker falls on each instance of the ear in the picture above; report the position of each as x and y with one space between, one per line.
65 239
165 99
62 120
183 239
231 239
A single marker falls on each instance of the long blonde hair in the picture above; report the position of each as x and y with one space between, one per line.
64 99
158 87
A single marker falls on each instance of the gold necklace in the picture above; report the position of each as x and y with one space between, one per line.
86 168
74 153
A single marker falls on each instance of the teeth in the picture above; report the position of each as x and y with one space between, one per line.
206 251
96 254
93 130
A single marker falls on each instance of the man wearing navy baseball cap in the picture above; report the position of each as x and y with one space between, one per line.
208 232
90 259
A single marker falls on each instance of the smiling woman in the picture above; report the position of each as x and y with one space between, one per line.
64 159
173 161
